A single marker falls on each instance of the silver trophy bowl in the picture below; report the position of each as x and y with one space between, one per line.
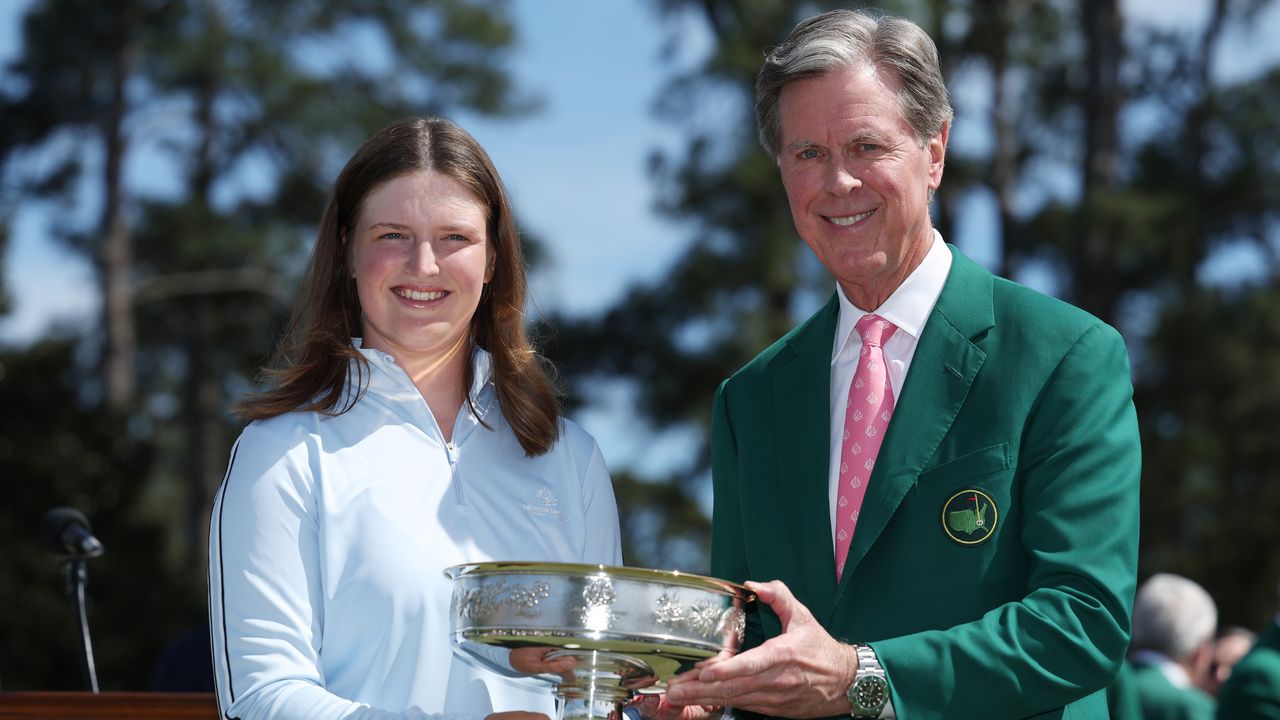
628 629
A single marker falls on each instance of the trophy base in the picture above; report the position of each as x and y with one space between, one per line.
600 685
589 708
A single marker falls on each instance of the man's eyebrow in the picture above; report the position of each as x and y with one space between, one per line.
869 136
801 144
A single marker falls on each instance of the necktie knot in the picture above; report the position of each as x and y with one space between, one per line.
875 330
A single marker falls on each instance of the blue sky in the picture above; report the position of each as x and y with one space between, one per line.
576 170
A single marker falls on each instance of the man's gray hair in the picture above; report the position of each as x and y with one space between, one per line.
1172 616
849 38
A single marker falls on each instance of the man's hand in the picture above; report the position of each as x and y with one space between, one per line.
533 661
802 673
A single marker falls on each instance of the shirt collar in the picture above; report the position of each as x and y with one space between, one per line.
481 373
1172 671
910 304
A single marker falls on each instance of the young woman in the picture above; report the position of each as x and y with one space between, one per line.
407 426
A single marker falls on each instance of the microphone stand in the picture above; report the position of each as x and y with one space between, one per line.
77 579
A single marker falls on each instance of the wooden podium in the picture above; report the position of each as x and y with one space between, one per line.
113 705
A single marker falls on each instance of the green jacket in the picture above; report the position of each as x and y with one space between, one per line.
1016 405
1162 700
1122 695
1253 690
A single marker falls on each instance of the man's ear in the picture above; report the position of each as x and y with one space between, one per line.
937 147
1200 663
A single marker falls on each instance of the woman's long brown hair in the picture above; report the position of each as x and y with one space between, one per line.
311 365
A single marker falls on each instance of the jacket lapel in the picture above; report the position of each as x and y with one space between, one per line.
802 399
942 370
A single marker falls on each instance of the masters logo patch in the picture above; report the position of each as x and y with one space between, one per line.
970 516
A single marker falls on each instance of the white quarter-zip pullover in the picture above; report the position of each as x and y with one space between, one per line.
328 539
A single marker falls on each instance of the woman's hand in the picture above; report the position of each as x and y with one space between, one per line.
654 706
533 661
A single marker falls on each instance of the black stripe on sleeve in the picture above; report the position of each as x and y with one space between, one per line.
222 584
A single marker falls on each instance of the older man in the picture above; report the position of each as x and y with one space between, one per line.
939 469
1172 648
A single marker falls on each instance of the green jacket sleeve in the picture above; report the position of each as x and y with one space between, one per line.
728 549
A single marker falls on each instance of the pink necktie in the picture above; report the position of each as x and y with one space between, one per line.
865 420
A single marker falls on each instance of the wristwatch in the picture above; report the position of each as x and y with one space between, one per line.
869 692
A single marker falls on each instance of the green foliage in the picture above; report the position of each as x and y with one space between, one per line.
232 120
55 450
660 528
1211 488
1207 380
246 110
1126 184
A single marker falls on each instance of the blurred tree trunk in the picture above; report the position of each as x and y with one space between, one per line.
1097 288
244 111
945 198
1004 161
116 255
203 404
1198 118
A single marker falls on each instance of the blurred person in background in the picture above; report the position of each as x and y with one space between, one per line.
1252 692
1122 695
1232 644
407 426
1172 648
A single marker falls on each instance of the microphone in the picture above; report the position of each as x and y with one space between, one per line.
66 531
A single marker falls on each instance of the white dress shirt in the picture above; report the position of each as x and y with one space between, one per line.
908 308
1172 671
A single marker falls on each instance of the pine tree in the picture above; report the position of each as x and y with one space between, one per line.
186 147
